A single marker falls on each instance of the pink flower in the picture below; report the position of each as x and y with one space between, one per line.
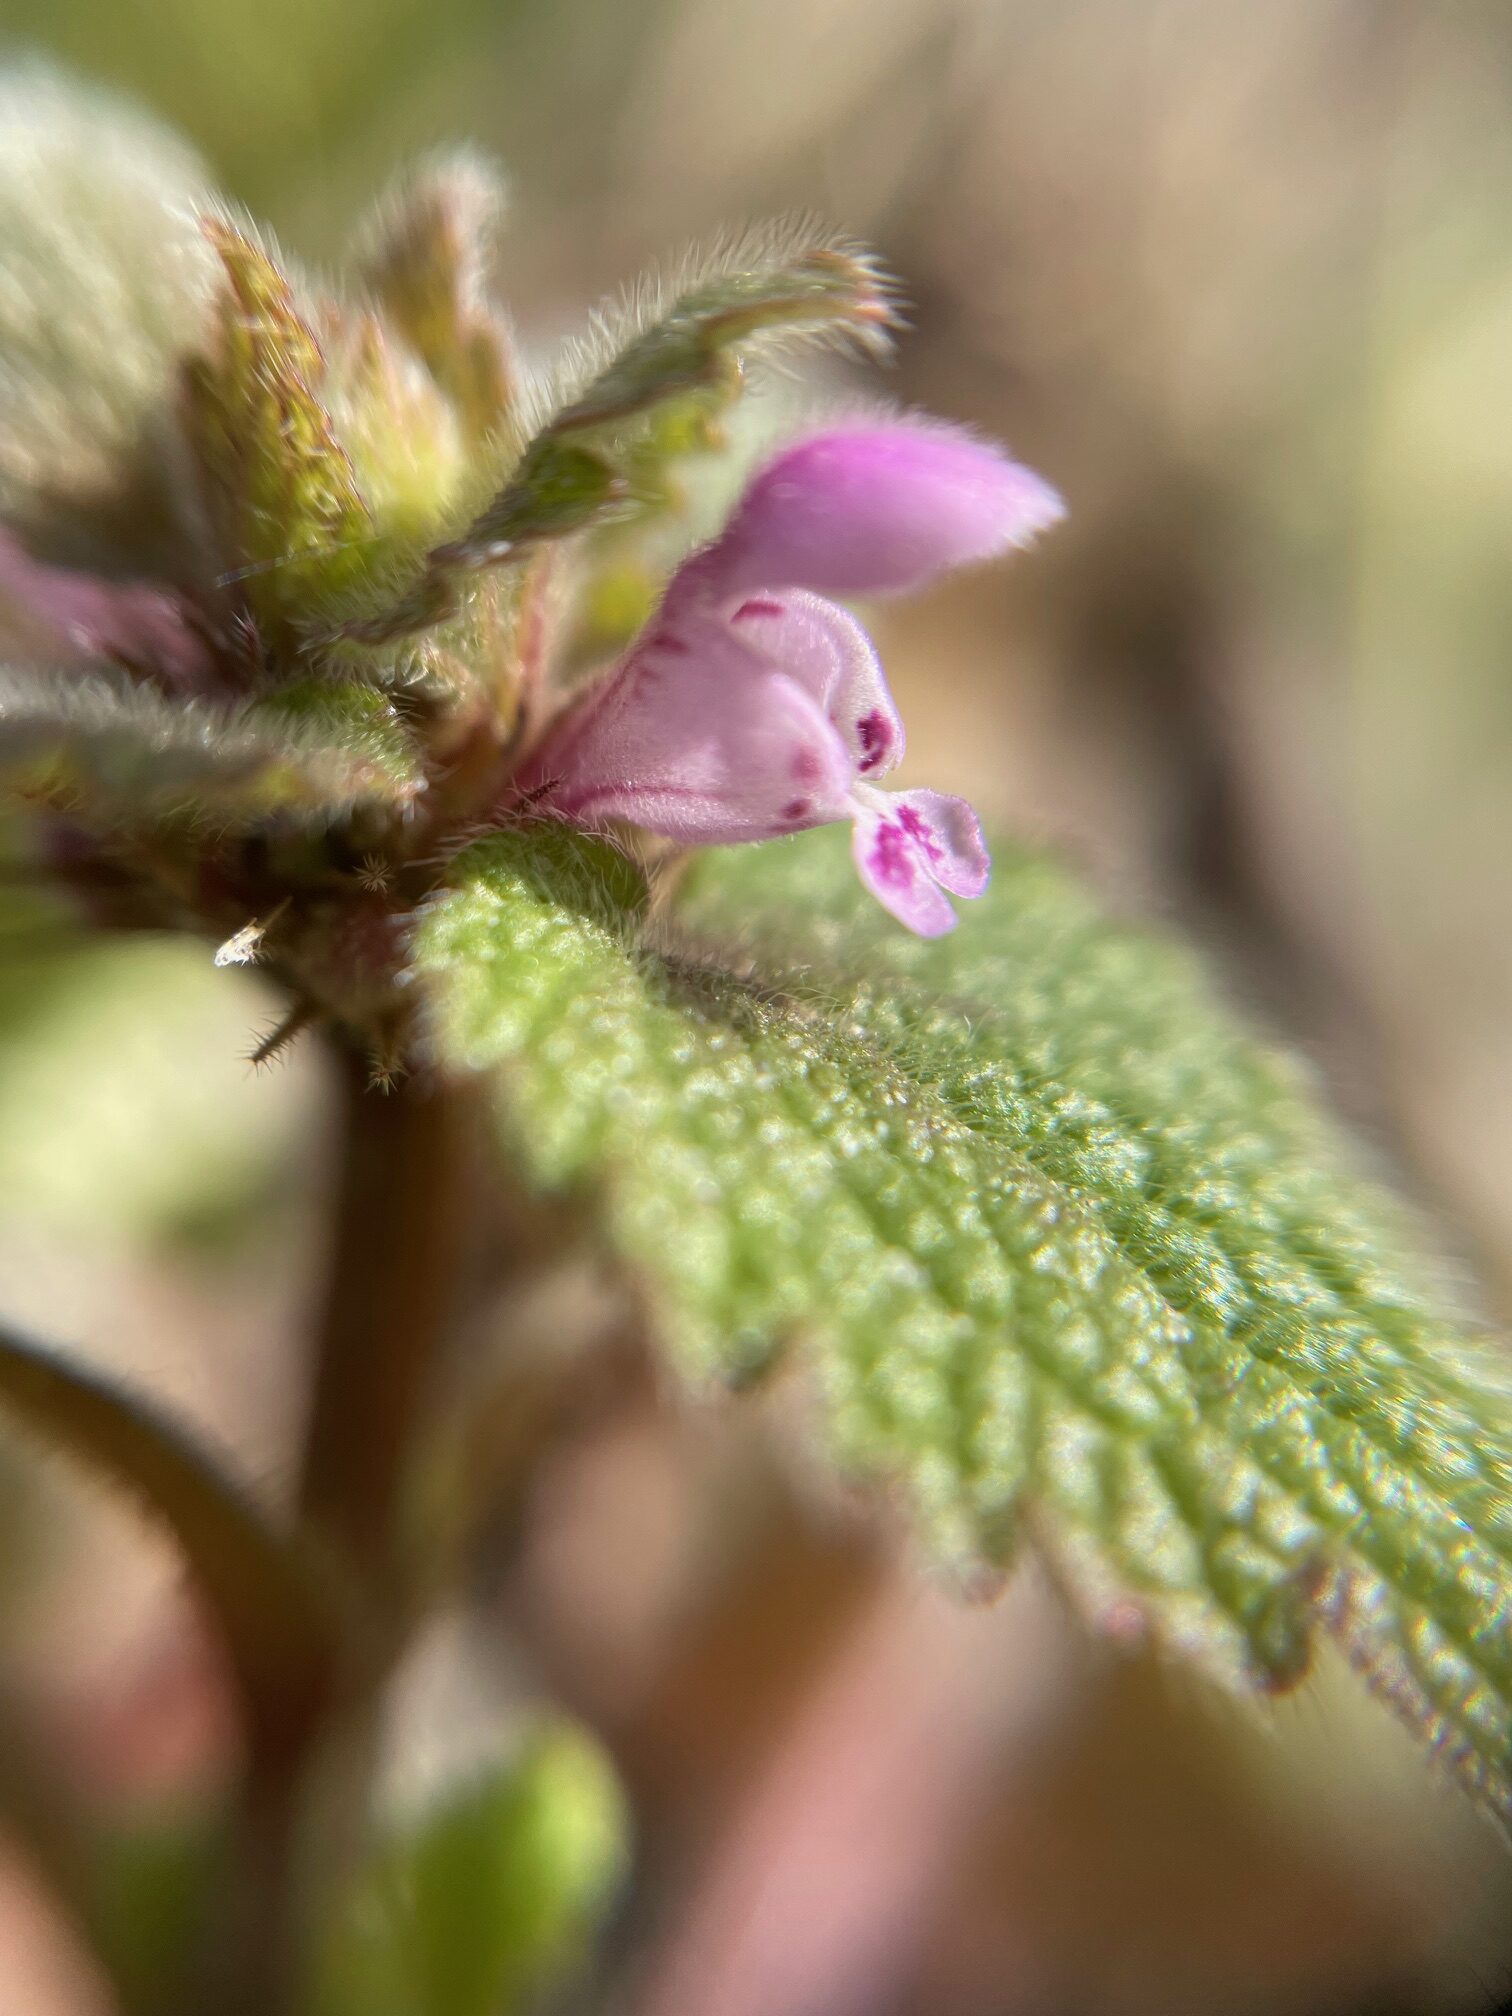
751 705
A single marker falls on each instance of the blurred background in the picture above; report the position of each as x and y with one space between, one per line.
1238 279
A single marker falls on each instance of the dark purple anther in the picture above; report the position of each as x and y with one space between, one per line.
875 735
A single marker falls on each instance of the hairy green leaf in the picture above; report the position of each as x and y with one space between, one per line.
426 256
686 353
280 487
407 445
1065 1251
118 754
761 291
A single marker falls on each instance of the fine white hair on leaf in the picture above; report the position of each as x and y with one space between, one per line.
127 751
468 180
307 288
423 260
772 247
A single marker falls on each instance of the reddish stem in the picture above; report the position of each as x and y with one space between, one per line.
401 1240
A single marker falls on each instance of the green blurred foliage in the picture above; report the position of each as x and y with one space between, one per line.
154 1880
475 1905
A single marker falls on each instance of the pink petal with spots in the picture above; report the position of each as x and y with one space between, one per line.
948 834
870 510
825 649
896 870
697 737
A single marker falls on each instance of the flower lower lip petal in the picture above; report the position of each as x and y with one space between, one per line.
948 833
893 867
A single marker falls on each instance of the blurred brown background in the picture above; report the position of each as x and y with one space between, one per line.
1239 280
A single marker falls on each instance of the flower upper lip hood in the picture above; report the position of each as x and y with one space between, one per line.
753 705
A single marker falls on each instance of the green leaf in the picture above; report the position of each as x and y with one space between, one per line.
761 292
426 256
559 487
1066 1253
405 441
118 754
332 714
281 490
474 1907
274 1613
686 354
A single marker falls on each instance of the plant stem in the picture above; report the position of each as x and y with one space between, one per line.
401 1240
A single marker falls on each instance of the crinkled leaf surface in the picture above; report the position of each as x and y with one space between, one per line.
1063 1248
